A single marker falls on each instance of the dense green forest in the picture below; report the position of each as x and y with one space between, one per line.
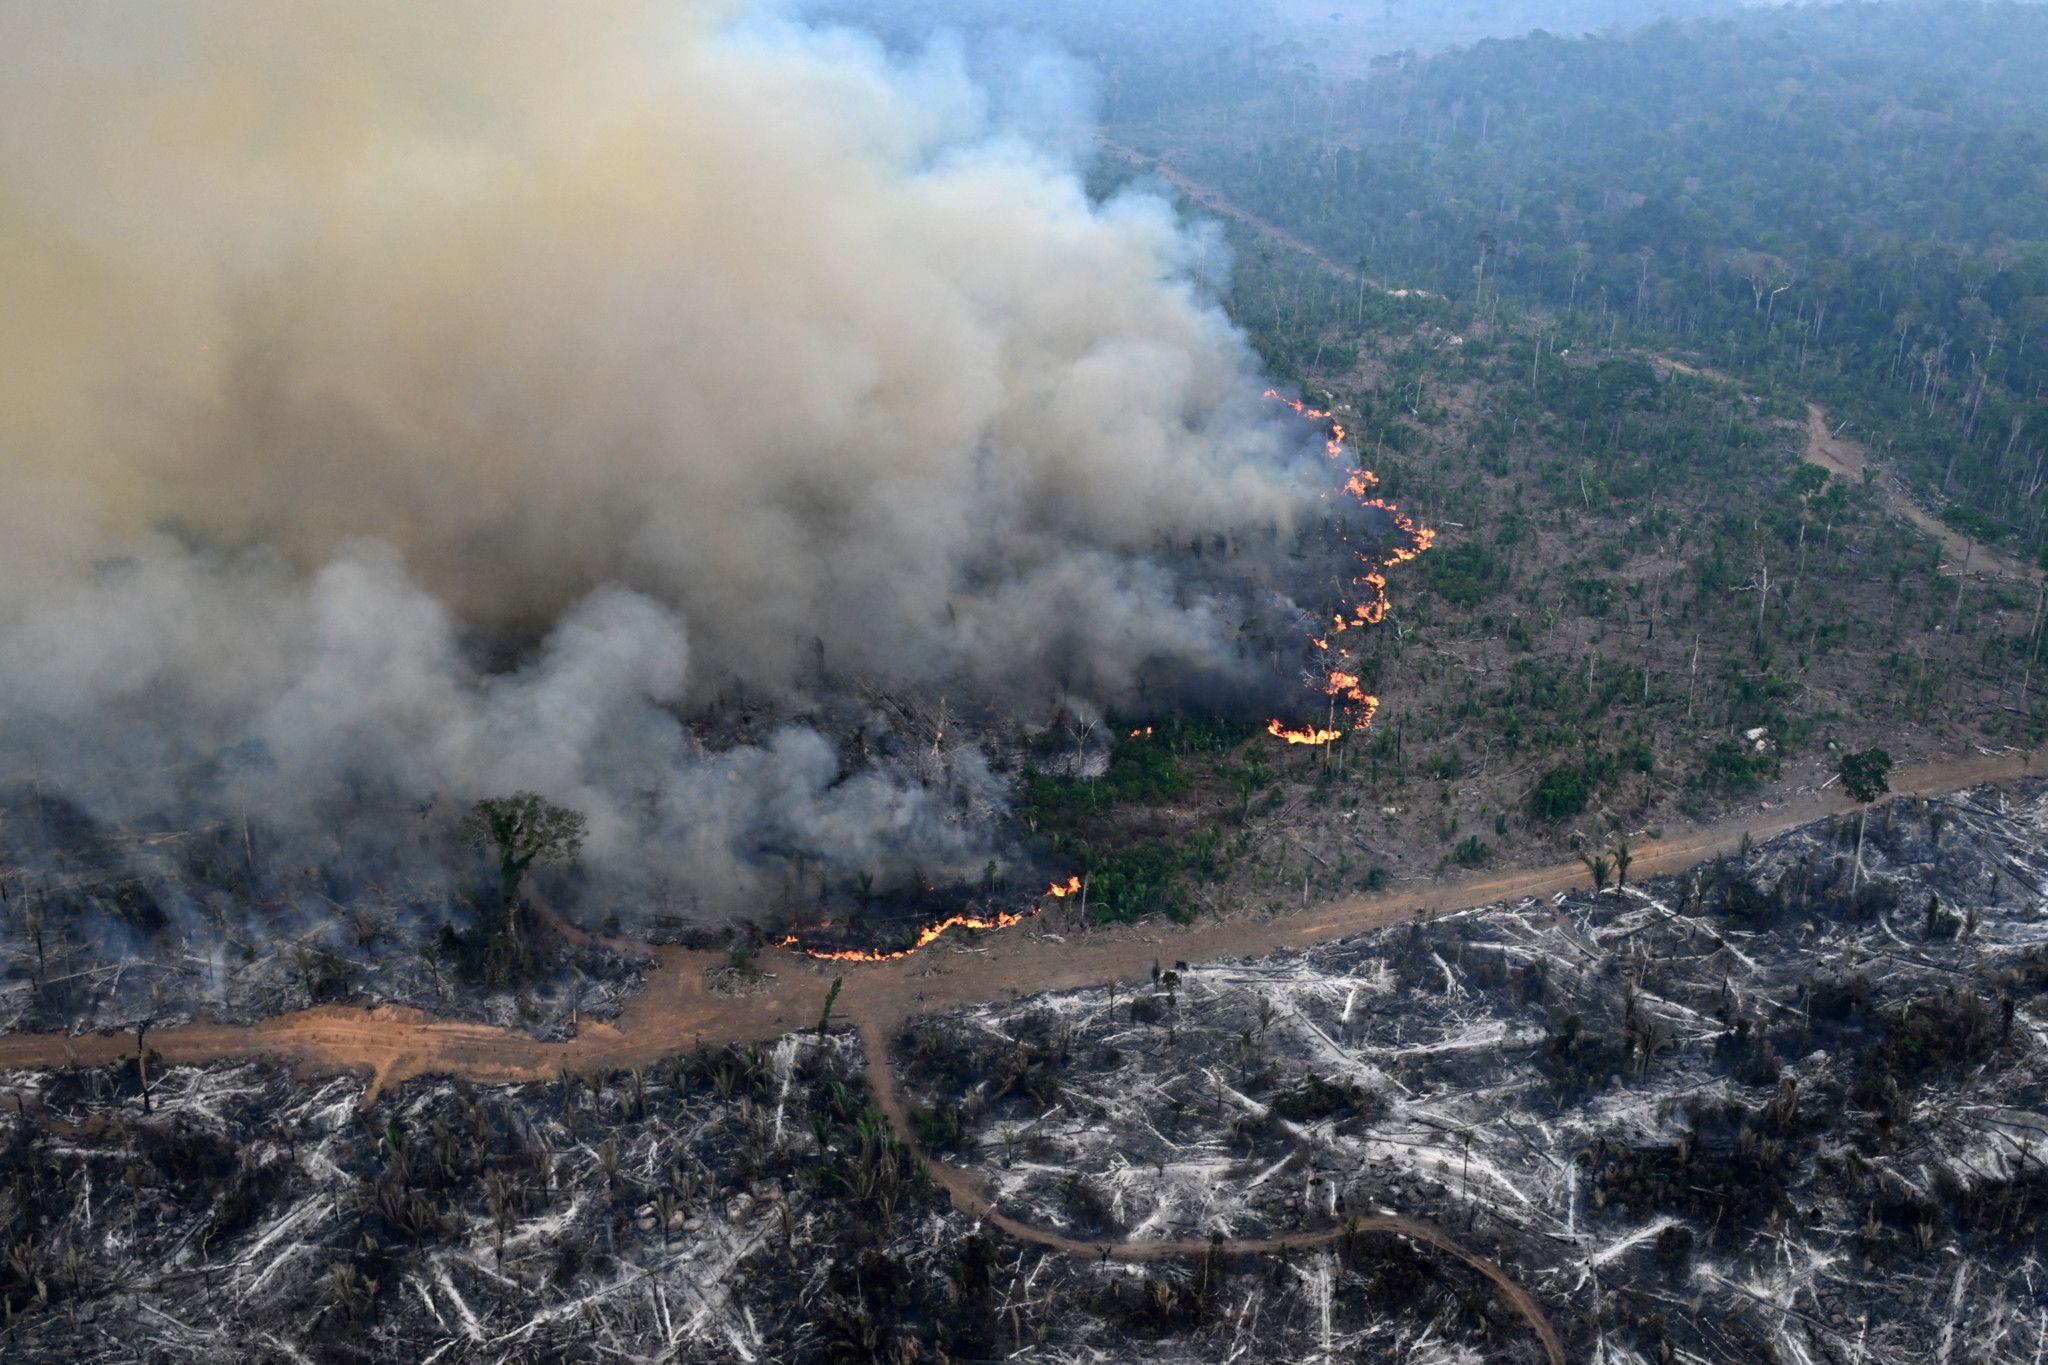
1174 59
1849 201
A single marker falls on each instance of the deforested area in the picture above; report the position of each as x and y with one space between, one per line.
1740 1112
720 1202
115 928
743 1204
1773 1108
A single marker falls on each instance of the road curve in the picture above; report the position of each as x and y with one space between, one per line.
969 1197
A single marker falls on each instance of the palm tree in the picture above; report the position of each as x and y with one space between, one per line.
1597 864
1622 858
665 1207
352 1289
501 1195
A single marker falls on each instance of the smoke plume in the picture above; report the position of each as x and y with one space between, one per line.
403 403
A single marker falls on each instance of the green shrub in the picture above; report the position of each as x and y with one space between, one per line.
1560 793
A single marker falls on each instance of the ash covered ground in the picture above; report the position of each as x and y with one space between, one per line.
1745 1114
170 919
1749 1113
739 1205
108 927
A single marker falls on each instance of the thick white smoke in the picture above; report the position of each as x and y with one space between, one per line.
418 401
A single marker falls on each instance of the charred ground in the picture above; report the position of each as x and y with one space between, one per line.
1737 1113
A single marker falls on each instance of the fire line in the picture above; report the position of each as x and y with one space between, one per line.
1002 919
1343 687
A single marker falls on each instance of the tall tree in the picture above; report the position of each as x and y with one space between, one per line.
522 830
1864 775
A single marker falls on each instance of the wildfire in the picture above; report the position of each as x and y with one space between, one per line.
1002 919
1279 731
1142 732
1341 686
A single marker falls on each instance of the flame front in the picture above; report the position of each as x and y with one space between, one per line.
1279 731
1340 686
1343 687
927 936
930 934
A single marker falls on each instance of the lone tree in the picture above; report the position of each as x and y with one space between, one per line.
831 998
1600 867
1863 776
522 829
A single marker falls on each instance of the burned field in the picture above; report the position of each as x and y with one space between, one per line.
1742 1113
109 927
1754 1112
445 1222
745 1204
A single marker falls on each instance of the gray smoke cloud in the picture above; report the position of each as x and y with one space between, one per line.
414 402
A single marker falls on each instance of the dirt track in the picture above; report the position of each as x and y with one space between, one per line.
677 1009
968 1197
1823 446
1213 200
1850 459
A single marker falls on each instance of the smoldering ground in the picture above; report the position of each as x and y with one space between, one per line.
402 405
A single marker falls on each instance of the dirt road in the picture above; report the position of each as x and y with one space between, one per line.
1213 200
1850 459
678 1010
1826 448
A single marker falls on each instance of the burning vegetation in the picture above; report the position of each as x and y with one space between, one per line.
928 934
1409 540
412 522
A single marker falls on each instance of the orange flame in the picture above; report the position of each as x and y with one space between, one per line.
1143 732
1360 483
927 936
1334 447
1311 736
1002 919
